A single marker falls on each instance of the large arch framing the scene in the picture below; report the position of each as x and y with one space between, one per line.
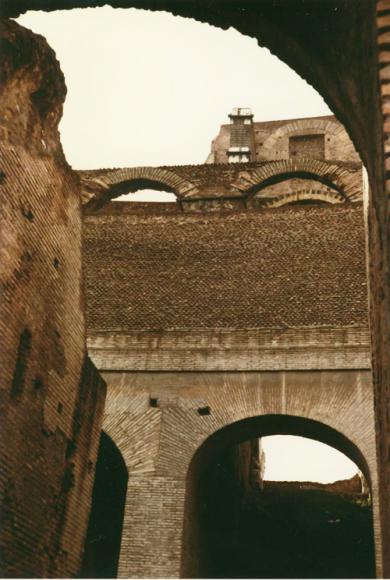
333 63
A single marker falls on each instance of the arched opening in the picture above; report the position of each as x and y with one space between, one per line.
296 458
282 183
296 191
119 193
238 526
291 185
102 545
142 190
138 195
300 197
148 196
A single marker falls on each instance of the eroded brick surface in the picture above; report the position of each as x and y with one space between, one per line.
51 395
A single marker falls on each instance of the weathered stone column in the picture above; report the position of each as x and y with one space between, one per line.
51 395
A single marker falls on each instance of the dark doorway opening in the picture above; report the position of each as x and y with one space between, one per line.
102 547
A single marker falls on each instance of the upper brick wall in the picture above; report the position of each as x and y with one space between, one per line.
291 267
271 139
224 183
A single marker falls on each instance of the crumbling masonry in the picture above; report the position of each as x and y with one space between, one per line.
253 366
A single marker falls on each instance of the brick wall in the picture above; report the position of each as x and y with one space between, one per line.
156 418
219 182
307 146
333 63
51 396
378 221
158 440
184 271
272 139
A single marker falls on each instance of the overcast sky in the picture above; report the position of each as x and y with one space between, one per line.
148 88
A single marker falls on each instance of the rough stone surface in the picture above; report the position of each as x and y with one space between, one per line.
379 262
279 268
233 349
352 486
33 91
51 395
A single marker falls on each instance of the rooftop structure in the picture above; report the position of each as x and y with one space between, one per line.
244 139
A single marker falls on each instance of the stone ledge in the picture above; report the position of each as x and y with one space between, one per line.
232 350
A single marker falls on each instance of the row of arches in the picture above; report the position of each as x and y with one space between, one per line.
222 533
337 182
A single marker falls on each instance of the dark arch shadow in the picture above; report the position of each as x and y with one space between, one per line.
193 553
134 185
131 186
280 177
102 546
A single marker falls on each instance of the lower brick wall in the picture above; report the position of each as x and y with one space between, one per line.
160 420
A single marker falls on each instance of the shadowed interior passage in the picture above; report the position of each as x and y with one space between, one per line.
105 523
239 526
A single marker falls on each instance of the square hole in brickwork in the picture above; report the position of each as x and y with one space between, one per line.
204 411
153 402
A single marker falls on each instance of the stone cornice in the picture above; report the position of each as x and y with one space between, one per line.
232 350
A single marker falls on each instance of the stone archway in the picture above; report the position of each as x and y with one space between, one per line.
162 419
212 496
347 182
333 133
98 187
317 58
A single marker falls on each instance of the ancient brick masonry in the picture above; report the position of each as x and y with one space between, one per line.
51 395
229 186
238 290
187 270
315 138
334 46
277 292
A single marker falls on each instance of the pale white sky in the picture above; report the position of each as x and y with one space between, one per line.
148 88
290 458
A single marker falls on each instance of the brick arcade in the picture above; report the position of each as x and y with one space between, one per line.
238 312
248 298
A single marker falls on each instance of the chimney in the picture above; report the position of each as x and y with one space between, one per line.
241 136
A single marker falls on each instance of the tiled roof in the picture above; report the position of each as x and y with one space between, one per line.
295 266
